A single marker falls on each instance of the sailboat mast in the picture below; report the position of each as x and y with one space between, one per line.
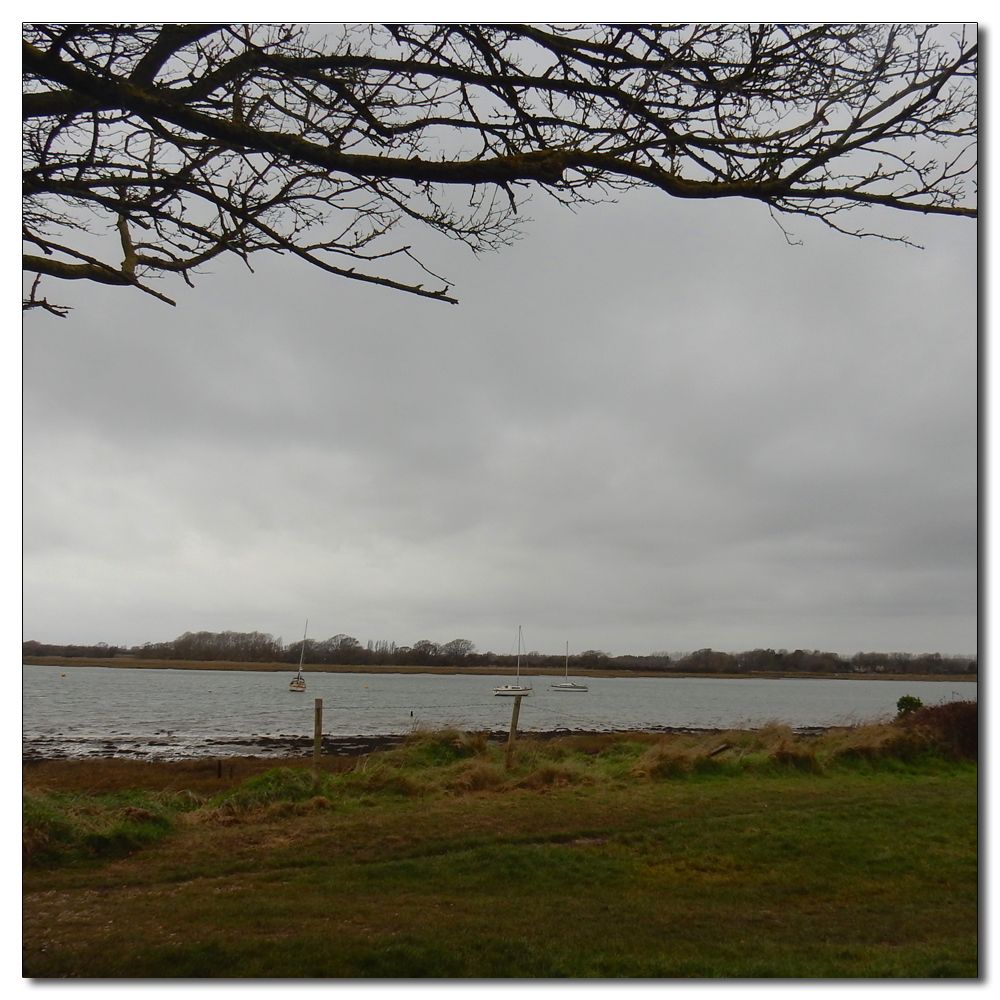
518 654
567 659
302 653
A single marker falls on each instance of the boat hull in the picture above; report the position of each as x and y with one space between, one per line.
569 688
511 691
297 685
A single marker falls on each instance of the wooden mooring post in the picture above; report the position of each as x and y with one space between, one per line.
318 734
513 730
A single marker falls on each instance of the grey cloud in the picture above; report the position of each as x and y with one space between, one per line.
654 423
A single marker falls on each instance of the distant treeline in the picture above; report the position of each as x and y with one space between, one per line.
261 647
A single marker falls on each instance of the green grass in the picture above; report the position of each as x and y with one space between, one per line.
62 827
636 858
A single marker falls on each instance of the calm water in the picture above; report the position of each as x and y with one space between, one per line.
101 711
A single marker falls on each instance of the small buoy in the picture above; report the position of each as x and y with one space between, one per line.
411 715
366 687
63 675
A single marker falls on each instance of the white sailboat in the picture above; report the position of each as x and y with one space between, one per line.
568 685
513 690
298 682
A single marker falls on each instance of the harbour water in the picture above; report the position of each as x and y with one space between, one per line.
175 714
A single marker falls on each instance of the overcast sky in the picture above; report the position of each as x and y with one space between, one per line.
648 426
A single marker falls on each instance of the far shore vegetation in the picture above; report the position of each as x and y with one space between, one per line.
262 651
746 854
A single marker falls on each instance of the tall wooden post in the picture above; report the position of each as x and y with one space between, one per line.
513 729
318 734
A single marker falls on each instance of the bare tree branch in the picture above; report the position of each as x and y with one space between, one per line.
184 142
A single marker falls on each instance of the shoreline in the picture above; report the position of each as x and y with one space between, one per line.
122 662
298 749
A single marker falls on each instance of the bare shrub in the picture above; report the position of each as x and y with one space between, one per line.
953 727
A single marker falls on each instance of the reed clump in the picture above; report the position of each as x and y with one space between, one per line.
476 775
282 791
874 744
390 779
554 774
732 752
438 747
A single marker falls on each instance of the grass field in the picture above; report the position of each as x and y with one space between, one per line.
743 856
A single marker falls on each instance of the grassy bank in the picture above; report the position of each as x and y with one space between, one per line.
121 662
755 854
